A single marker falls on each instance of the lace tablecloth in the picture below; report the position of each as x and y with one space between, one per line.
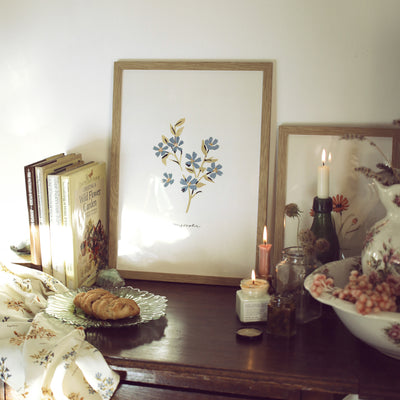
41 357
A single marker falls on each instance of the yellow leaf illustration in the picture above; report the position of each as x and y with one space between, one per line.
209 179
203 147
172 129
164 159
180 122
179 131
200 184
164 139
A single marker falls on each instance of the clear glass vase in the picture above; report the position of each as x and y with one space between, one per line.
289 279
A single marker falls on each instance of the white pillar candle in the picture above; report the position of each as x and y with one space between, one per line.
323 178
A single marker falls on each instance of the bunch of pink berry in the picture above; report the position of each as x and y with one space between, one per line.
368 295
320 284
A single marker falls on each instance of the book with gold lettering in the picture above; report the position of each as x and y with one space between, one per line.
85 225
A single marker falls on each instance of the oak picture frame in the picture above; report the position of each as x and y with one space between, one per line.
284 169
128 71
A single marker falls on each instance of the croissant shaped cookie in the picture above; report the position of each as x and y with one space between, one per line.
102 304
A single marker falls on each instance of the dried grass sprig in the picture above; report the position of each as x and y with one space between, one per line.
354 136
386 174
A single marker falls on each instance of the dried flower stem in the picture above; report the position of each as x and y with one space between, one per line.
362 138
292 211
387 175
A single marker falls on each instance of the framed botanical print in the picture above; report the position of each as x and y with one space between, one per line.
189 169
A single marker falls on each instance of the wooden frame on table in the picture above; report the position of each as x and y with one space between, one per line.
176 215
299 155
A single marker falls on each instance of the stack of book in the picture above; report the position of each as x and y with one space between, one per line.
67 210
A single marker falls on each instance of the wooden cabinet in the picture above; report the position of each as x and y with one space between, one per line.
193 353
194 348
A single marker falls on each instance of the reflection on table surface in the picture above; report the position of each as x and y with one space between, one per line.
114 340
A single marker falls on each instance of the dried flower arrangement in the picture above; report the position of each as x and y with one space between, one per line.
386 174
305 238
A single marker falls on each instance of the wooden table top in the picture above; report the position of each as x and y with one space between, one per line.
197 338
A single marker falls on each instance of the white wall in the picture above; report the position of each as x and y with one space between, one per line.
336 62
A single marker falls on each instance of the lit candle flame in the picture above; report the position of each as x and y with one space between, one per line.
330 157
253 276
323 156
265 235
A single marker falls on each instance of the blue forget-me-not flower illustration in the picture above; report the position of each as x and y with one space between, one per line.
196 170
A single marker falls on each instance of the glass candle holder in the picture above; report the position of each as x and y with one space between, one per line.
252 300
254 287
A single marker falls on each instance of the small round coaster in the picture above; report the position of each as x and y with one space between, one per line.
249 333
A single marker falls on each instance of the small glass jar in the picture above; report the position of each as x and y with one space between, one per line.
281 315
290 274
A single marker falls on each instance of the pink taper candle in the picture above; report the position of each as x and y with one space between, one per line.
264 257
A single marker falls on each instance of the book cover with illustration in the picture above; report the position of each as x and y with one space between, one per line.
85 223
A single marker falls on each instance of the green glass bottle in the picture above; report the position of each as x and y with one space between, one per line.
323 228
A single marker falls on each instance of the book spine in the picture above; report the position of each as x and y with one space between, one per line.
43 209
31 198
44 229
56 227
70 275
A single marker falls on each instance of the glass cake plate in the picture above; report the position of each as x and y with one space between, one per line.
151 306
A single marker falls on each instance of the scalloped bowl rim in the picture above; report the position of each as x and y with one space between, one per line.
343 305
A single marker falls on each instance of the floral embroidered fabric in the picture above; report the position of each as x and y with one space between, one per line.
41 357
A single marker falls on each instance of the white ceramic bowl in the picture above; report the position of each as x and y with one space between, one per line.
380 330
